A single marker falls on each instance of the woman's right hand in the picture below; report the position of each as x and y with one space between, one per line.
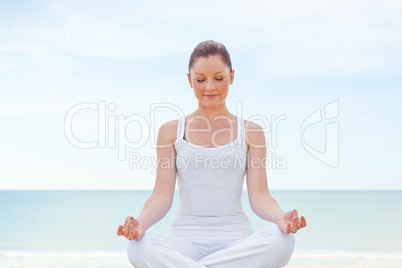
132 229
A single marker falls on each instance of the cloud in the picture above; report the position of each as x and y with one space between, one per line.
297 37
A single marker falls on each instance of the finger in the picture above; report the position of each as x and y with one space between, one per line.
123 230
126 230
136 237
120 230
288 228
126 219
131 233
298 223
294 225
303 221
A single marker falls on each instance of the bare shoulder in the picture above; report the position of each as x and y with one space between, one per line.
167 133
254 134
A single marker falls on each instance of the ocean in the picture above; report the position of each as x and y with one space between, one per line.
77 228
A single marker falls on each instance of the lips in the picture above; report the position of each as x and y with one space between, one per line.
211 96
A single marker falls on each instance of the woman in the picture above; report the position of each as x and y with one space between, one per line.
210 228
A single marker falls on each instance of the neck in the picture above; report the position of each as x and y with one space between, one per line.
212 112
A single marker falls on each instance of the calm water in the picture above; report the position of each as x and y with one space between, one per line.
43 227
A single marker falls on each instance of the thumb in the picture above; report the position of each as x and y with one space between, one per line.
139 232
285 227
295 213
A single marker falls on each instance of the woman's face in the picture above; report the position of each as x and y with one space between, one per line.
210 78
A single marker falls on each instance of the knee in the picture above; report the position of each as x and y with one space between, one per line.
288 241
137 252
133 252
285 243
280 245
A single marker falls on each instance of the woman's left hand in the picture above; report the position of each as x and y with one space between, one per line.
290 222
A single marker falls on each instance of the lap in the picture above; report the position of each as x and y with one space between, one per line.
151 243
265 247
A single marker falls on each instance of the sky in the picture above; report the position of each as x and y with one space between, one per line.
85 86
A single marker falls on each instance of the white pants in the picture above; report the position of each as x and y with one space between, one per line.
265 248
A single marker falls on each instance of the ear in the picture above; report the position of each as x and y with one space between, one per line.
189 80
231 77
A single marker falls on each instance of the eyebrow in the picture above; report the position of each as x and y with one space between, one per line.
215 73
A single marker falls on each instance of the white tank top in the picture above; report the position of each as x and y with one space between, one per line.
210 184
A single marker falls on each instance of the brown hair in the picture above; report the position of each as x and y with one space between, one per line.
210 48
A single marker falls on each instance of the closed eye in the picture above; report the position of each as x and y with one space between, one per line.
200 80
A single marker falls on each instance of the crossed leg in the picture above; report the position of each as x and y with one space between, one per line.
265 248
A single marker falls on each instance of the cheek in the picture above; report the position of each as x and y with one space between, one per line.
197 86
198 90
224 85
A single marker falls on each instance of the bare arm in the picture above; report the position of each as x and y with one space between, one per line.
261 201
161 199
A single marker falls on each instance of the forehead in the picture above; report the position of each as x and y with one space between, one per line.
210 64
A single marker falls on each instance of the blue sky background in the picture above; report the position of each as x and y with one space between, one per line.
290 58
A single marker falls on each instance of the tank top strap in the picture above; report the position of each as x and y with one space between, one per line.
241 132
180 129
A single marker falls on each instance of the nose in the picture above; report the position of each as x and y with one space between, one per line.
210 85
